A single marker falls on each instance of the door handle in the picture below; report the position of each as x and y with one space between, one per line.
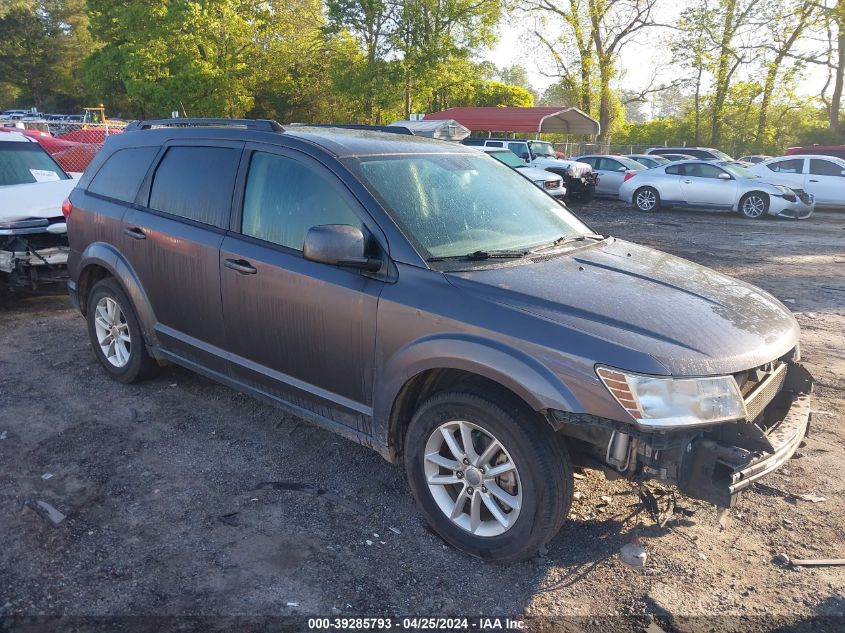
811 180
135 233
688 182
240 265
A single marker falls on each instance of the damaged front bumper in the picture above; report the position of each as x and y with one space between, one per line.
714 463
722 462
799 206
33 257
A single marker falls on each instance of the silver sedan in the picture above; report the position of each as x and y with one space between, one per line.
719 185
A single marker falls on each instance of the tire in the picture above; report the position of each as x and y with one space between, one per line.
110 312
646 199
754 205
538 488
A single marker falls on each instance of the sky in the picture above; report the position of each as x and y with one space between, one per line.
639 59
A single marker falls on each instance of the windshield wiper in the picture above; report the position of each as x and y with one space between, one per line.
566 239
480 255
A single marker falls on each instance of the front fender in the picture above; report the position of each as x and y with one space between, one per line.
529 379
106 256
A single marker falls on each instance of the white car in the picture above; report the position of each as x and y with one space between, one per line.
551 183
612 170
823 177
578 178
33 233
722 185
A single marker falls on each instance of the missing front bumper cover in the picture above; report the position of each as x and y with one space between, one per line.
718 465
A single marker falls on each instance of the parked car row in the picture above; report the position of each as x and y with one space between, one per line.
705 178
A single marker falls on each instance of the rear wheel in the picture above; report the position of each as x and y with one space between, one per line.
647 199
116 334
490 478
754 205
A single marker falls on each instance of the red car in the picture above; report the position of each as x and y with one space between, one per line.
822 150
73 153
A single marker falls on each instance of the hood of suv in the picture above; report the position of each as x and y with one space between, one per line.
689 318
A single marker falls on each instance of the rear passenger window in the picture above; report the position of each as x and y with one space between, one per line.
122 173
674 170
495 144
196 183
824 168
284 198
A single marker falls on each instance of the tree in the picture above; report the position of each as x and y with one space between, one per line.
598 31
206 57
784 26
27 57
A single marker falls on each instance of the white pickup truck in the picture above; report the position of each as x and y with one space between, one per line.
579 178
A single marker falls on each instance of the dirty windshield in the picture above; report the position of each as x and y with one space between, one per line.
453 205
540 148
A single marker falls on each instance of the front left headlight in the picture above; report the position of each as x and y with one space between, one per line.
783 189
665 403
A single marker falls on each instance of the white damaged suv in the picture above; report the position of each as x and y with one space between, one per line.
33 233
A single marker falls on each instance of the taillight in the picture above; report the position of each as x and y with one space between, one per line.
67 207
629 175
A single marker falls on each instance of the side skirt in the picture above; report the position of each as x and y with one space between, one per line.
314 418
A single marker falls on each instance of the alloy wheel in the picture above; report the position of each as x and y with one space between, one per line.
646 200
753 206
472 478
112 332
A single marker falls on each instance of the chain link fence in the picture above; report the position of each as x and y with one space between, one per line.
71 143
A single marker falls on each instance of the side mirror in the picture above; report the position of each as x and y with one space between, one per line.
725 176
623 168
338 245
842 173
526 156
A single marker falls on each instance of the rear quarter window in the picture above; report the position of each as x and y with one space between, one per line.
122 173
196 183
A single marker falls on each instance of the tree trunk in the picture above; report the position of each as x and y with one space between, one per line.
722 79
836 97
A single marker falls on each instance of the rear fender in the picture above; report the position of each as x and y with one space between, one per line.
105 255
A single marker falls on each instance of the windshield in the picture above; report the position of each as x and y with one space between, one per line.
508 158
735 169
24 163
450 205
541 148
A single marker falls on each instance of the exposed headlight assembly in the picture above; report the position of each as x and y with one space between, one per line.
665 403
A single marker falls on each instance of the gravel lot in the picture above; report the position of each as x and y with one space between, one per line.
185 497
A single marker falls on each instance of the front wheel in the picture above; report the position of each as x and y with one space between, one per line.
491 479
754 205
647 199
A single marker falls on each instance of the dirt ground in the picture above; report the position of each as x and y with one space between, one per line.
182 496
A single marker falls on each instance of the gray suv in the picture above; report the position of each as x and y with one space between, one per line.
429 302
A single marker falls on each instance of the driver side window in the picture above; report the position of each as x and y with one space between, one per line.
284 198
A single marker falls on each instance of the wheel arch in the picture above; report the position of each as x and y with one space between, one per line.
430 366
766 196
99 261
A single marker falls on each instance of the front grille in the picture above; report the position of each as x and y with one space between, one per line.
758 397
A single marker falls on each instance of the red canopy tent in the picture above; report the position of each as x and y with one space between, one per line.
555 119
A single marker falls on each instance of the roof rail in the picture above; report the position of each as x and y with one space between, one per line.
392 129
260 125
